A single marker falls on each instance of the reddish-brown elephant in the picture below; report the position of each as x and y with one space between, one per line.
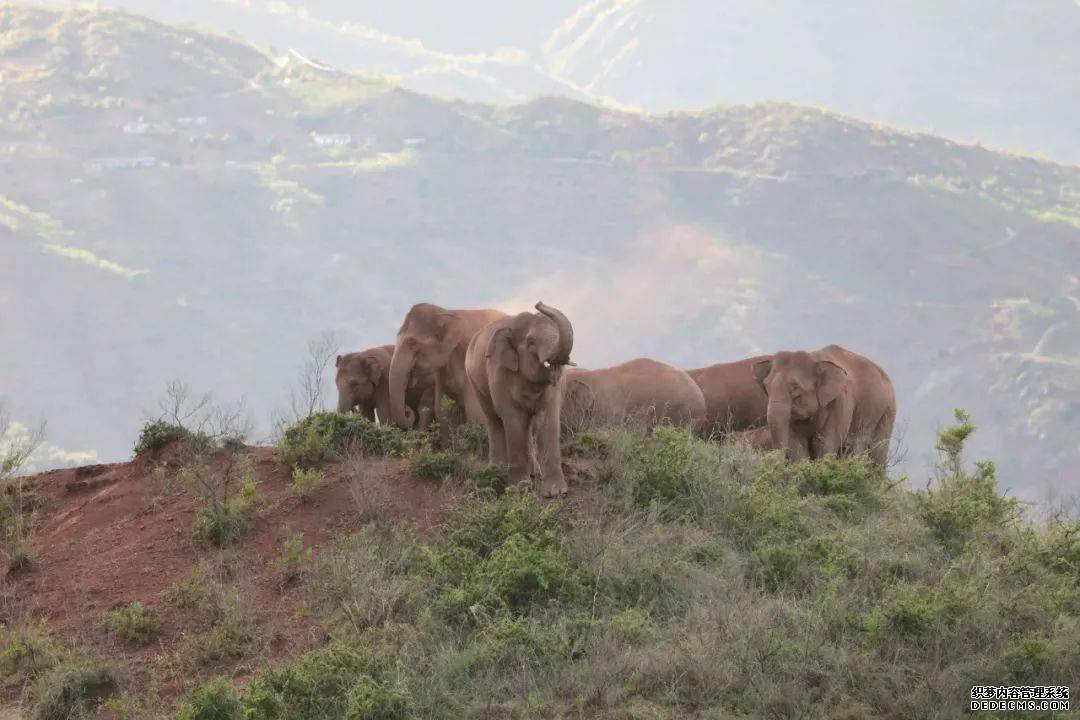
830 401
363 384
642 392
433 339
515 366
734 399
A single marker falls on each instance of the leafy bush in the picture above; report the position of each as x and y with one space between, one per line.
133 623
434 465
469 438
324 436
157 435
213 701
294 558
504 555
26 652
220 524
963 502
338 681
305 482
71 689
494 478
589 443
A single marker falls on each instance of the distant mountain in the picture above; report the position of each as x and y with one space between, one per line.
1000 72
175 204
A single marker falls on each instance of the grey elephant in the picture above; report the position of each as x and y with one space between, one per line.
434 340
363 384
641 391
515 365
829 401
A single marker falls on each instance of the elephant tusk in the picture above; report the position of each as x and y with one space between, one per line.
570 363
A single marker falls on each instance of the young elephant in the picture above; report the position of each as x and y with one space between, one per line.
734 400
830 401
515 366
363 384
639 391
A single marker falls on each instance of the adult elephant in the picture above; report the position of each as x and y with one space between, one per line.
515 365
363 384
641 391
734 400
433 340
830 401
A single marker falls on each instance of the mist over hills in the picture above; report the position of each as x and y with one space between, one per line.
999 72
175 204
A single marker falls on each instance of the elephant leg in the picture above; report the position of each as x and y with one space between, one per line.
516 428
549 453
496 433
879 447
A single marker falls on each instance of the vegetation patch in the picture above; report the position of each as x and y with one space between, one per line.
328 435
133 623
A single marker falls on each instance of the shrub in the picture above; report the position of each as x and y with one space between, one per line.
434 465
213 701
324 683
469 438
157 435
71 689
964 503
588 443
325 436
502 555
294 559
220 524
908 612
25 653
494 478
133 623
231 637
305 482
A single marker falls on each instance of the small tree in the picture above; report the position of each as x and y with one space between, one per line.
15 450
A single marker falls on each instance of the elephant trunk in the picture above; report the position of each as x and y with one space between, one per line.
779 419
401 366
345 402
566 334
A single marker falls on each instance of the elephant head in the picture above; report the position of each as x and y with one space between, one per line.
358 375
535 347
800 388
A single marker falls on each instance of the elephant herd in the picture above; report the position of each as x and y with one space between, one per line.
514 374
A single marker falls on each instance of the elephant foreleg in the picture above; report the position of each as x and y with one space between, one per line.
516 429
879 447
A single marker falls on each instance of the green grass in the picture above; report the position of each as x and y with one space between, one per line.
702 581
133 623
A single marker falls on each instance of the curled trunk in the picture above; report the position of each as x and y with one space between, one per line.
566 333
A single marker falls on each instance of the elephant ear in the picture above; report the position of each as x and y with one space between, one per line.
501 348
373 368
762 368
831 379
442 324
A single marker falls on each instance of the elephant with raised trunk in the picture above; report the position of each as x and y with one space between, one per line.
642 391
434 340
734 400
830 401
515 365
363 384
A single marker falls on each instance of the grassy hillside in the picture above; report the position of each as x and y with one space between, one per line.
181 205
358 573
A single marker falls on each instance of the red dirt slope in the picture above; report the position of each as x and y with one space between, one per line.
113 534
